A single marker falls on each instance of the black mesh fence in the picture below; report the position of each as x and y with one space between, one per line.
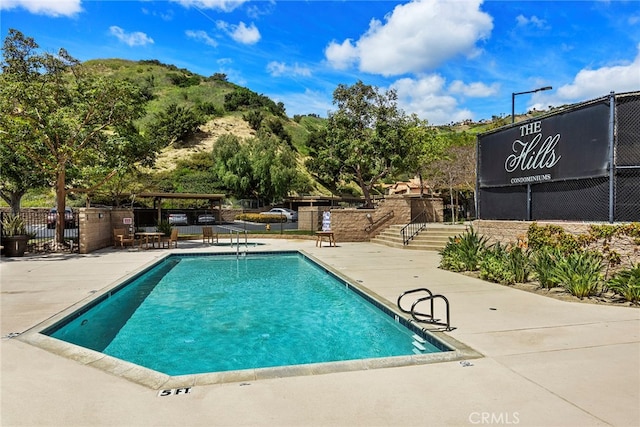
584 199
627 158
613 197
503 203
627 201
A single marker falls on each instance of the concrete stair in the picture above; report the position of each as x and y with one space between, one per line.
433 238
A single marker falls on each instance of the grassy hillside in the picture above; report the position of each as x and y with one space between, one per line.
164 85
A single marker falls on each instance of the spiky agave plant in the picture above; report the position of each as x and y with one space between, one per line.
543 261
627 284
580 273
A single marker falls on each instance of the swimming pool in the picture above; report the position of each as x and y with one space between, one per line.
118 323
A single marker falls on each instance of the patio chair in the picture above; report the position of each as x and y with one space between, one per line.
122 237
173 238
208 235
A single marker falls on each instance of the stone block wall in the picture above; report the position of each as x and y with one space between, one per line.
510 231
361 225
433 206
97 224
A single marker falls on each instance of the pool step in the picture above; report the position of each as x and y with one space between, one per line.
418 346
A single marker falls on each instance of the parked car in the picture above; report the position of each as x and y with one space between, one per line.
52 218
178 219
206 219
289 214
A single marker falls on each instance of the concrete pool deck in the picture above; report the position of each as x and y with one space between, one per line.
545 362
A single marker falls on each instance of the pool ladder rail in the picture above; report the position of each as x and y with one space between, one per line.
425 317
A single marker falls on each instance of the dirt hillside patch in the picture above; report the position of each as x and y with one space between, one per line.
204 141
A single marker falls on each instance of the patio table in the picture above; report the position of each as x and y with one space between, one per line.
154 236
321 235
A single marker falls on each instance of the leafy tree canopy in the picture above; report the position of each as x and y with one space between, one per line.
174 125
58 114
260 167
245 99
365 137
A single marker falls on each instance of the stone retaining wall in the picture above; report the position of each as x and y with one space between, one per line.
510 231
361 225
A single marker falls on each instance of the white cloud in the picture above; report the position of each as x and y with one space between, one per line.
53 8
426 97
534 21
277 69
415 37
223 5
201 36
341 55
131 39
594 83
474 90
240 33
165 16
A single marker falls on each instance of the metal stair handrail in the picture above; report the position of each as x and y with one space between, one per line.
379 220
417 224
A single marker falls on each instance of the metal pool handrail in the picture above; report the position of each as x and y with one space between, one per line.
237 231
426 317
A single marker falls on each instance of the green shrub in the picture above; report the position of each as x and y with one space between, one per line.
520 264
495 267
543 261
552 236
464 251
263 219
627 284
579 272
164 227
451 258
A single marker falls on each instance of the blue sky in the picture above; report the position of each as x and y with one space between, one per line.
449 60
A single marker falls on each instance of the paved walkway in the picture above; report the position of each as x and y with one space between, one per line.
546 362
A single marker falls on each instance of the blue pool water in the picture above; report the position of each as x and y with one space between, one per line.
196 314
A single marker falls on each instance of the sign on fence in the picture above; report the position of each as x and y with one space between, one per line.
570 145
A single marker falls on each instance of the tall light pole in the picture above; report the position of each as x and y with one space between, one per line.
513 99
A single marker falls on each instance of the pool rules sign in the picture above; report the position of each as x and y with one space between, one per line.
326 221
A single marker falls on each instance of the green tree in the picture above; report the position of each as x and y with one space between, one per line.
254 118
326 170
261 167
364 137
17 175
195 174
425 146
174 125
275 169
55 112
232 166
456 170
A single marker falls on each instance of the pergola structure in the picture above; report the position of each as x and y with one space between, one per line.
157 199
